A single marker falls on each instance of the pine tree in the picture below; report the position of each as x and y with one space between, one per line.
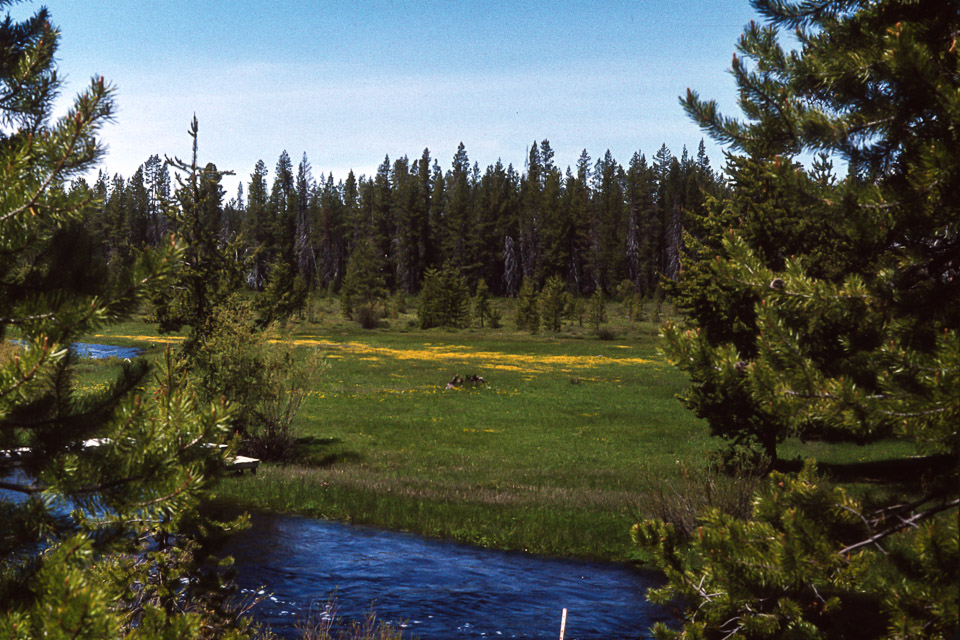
331 242
481 302
404 244
552 301
531 211
444 299
850 327
528 315
282 207
157 180
256 227
210 272
93 544
597 311
579 205
304 255
364 288
457 233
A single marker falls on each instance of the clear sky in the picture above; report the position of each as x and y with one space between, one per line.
350 82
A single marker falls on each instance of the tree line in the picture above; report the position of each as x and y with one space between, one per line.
593 226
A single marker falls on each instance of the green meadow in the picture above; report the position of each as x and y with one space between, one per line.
559 452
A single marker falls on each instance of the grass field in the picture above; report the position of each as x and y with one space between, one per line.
556 454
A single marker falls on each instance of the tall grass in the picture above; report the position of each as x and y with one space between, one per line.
326 624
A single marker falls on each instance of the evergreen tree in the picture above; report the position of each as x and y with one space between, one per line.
115 562
495 199
856 334
531 195
420 215
444 299
331 241
256 226
528 314
607 256
304 255
284 294
157 180
137 203
552 301
210 272
458 232
378 204
481 302
406 239
364 288
557 221
597 311
282 207
578 203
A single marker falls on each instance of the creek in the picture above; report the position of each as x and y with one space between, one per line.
99 351
432 589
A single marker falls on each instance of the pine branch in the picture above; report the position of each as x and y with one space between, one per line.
29 375
68 154
30 489
903 524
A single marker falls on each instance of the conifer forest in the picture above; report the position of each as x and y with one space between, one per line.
593 225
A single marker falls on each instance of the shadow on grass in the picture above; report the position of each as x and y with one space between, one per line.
308 441
313 451
906 471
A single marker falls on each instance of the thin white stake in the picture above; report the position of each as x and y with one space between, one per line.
563 623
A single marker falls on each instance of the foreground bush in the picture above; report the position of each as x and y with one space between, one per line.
256 372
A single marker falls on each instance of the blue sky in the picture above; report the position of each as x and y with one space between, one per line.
348 83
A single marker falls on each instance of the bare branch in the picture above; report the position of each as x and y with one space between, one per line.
903 524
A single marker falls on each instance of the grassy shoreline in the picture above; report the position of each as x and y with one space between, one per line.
557 454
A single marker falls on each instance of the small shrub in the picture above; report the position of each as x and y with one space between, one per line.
636 308
398 305
239 362
496 318
747 456
682 500
605 333
368 315
624 291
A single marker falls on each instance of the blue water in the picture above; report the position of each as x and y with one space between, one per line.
99 351
435 590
